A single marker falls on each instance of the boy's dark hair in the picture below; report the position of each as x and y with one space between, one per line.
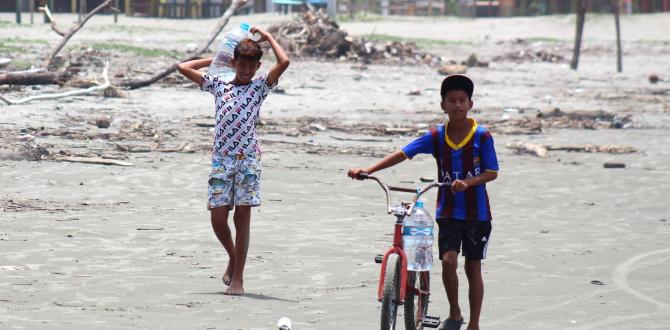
457 82
248 49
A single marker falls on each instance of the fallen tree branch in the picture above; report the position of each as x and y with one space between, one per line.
543 150
95 160
33 77
73 30
138 83
55 28
99 87
608 149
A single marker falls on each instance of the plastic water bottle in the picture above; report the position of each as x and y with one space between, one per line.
222 63
417 237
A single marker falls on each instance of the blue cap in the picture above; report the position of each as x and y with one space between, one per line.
418 204
245 26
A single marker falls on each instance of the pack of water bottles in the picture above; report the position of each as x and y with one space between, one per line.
417 237
222 64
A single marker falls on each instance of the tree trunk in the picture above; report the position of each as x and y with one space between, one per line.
581 16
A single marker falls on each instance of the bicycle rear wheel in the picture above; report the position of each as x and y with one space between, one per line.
391 293
416 299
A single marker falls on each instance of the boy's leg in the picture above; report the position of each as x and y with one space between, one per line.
449 242
247 194
220 202
242 219
473 270
475 243
450 281
222 230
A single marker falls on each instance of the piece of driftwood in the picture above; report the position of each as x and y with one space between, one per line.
73 30
54 27
94 160
34 77
593 148
138 83
106 84
529 147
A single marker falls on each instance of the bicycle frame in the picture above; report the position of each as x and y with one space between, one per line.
400 213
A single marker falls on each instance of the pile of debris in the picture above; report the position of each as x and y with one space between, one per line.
314 34
530 55
585 119
20 145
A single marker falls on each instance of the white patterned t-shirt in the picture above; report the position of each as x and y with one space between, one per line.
237 111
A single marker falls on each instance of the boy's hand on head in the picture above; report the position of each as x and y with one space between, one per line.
459 185
264 34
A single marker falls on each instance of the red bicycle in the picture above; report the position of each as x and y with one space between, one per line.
397 285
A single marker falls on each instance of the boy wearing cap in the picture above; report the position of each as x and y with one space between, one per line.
466 159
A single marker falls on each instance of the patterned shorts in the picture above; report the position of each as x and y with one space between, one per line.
235 180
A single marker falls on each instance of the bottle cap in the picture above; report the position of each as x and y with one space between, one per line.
245 27
418 205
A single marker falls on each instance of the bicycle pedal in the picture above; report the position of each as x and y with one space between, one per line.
431 321
379 258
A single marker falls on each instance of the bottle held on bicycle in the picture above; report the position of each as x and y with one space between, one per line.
418 239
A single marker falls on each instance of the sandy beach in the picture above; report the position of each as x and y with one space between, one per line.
574 245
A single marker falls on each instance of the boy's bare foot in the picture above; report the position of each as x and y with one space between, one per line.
235 288
228 275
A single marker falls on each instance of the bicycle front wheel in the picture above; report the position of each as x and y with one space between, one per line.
391 293
416 299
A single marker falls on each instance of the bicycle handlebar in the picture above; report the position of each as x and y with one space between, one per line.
386 188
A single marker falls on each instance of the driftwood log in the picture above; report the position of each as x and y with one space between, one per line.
138 83
34 78
542 151
94 160
104 86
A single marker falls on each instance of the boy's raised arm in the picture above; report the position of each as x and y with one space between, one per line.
282 59
190 69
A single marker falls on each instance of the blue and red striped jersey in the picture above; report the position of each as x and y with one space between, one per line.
472 156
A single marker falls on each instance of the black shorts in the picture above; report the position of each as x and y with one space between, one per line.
473 235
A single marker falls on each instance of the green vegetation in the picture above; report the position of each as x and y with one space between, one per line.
544 39
359 17
128 29
17 40
14 44
140 51
418 41
20 64
6 48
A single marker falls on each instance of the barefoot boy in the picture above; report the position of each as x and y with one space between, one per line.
467 160
234 181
